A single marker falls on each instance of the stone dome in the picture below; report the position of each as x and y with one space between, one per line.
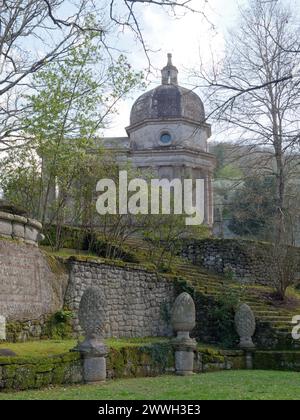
168 101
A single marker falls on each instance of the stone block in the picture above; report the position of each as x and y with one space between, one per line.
31 234
6 225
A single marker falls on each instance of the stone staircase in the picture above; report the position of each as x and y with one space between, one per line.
273 323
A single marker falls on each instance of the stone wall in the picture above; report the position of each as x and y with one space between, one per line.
242 260
36 372
34 286
30 288
138 301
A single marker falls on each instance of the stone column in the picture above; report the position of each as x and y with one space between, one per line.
183 321
210 200
208 196
92 319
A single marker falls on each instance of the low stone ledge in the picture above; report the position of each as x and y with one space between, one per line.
20 373
13 226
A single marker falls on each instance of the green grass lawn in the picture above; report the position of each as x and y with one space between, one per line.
54 347
230 385
40 348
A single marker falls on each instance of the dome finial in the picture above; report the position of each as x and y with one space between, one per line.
169 73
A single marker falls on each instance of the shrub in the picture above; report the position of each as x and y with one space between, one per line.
223 316
59 325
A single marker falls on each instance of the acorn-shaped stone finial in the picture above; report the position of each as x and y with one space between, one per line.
245 326
183 313
92 312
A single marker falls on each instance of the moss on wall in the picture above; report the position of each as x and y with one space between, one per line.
277 360
148 360
24 373
57 326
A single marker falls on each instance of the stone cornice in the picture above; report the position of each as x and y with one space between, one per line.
134 127
187 156
174 150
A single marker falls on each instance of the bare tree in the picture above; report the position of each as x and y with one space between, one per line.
266 119
281 265
291 46
30 38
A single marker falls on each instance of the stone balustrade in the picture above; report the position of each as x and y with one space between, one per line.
18 227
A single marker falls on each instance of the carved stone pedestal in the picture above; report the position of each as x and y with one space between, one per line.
94 354
249 359
184 356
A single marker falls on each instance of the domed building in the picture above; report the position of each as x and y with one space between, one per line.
169 135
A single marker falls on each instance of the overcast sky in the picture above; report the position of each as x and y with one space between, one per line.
185 38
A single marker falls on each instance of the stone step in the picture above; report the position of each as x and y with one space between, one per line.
206 291
279 324
254 305
198 274
207 288
211 284
201 282
275 318
187 266
202 276
191 274
273 312
265 310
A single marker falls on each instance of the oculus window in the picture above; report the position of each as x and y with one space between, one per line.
166 138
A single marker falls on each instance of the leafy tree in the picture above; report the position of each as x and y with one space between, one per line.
20 179
116 228
34 33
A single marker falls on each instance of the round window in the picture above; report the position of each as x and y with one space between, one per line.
165 138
